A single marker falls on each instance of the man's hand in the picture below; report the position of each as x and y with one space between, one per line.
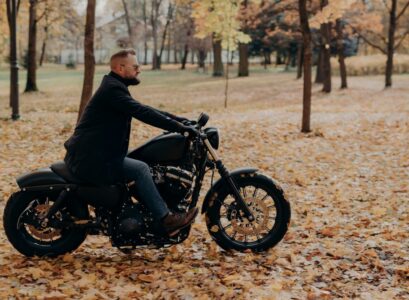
187 122
190 130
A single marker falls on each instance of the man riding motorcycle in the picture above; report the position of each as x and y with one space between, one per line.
96 152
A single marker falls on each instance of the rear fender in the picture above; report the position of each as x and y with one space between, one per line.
214 190
41 177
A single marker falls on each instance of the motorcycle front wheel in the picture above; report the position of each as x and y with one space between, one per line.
231 229
31 239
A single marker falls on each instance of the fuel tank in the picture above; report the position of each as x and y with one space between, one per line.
166 148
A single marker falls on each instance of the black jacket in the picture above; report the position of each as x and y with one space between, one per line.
96 150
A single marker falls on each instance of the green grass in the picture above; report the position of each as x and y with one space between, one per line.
52 76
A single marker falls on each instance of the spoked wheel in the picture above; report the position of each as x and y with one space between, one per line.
231 230
26 230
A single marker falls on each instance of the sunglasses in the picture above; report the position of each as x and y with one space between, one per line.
135 67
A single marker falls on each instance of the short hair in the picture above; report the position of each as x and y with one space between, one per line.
123 53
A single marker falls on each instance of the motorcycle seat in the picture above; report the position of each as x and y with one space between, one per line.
61 169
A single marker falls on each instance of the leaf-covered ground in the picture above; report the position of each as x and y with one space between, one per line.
347 181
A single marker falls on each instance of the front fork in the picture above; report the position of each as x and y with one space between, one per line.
224 173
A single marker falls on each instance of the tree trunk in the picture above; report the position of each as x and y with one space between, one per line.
168 49
128 24
89 59
319 75
326 57
44 45
300 60
243 60
12 9
31 84
145 35
192 57
391 45
325 31
288 60
306 34
201 58
154 23
268 58
164 34
341 57
184 59
175 54
43 52
186 50
278 58
218 64
45 35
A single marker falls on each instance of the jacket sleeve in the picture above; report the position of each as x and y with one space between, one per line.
172 116
121 101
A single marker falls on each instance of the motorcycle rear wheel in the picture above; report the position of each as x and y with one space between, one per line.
232 231
32 240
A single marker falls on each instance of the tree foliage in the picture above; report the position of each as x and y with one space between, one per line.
219 18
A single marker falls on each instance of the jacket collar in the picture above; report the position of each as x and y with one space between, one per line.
118 77
126 81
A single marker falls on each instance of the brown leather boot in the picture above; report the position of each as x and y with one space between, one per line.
174 222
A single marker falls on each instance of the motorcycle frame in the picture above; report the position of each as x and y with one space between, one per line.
210 153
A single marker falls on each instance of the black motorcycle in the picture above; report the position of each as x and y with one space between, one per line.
54 212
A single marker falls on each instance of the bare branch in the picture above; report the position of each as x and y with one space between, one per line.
369 42
41 16
397 45
385 2
402 11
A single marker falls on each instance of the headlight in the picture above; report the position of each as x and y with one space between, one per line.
213 136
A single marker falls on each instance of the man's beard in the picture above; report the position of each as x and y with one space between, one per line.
131 81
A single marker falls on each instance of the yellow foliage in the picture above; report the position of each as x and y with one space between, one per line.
220 19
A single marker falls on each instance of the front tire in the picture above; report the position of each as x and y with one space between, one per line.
231 230
32 240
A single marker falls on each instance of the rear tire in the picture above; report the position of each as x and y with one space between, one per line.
28 240
265 199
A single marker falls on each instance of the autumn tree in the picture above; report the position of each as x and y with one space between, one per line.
367 22
31 84
169 18
154 20
51 23
340 52
218 19
333 14
306 34
89 59
243 69
12 7
128 23
145 29
325 49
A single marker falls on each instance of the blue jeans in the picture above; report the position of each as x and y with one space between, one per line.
147 193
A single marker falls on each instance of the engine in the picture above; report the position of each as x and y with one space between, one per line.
174 185
133 224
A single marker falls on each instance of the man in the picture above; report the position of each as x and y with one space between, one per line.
96 152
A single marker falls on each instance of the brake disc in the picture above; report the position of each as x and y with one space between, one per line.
46 233
260 212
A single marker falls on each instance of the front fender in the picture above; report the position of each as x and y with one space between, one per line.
219 183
